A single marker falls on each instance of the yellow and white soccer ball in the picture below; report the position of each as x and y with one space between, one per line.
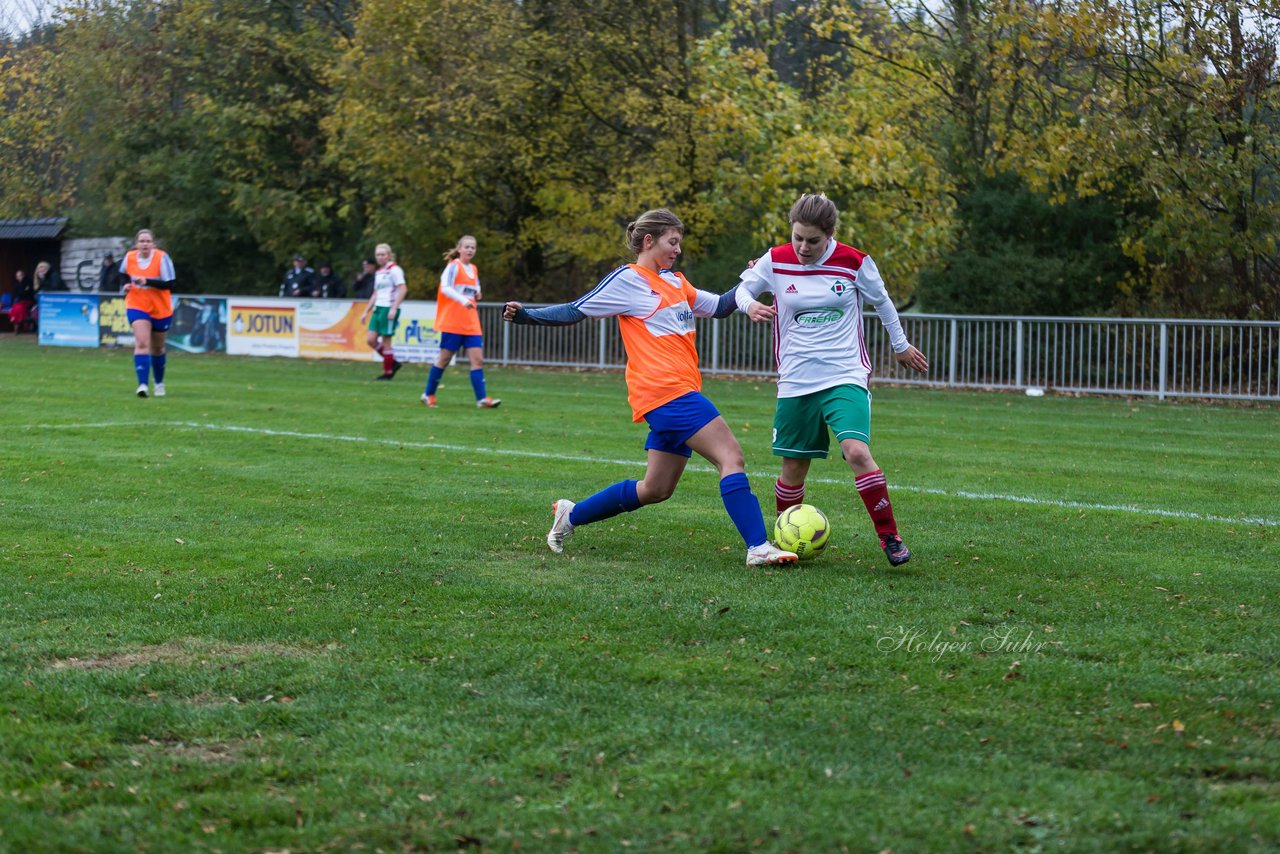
802 529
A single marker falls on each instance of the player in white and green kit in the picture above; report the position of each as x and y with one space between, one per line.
819 286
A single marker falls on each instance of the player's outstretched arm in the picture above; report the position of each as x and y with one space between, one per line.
913 359
564 314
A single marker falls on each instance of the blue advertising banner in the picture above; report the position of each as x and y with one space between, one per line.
69 320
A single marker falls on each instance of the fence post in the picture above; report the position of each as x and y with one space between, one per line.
952 350
1017 355
506 343
1164 357
715 347
603 325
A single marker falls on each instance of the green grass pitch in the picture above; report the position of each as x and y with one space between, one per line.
288 607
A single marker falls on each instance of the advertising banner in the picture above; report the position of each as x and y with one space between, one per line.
262 327
415 340
69 320
199 325
331 329
113 323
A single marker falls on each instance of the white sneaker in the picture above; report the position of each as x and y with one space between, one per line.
767 554
142 390
159 389
561 528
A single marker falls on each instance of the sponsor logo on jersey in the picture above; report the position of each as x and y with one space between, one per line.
791 289
819 316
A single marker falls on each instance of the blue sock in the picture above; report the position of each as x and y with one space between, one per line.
607 503
157 366
433 379
477 382
744 509
142 366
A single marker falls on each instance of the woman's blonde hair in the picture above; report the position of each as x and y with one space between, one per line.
386 246
656 222
143 231
455 252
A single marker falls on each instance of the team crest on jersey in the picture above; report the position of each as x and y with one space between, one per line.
839 289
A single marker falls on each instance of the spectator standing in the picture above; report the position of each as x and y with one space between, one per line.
47 279
389 289
363 286
110 279
148 303
656 307
458 322
328 285
819 286
299 281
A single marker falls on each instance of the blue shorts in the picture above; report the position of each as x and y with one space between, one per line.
161 325
671 424
455 341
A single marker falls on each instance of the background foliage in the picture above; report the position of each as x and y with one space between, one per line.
1063 157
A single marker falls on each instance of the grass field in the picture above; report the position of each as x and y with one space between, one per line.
287 607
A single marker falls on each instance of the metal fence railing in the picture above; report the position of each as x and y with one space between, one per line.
1219 359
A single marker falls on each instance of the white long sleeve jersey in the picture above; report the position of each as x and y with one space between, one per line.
817 335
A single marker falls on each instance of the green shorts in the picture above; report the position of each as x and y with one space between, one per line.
383 323
800 423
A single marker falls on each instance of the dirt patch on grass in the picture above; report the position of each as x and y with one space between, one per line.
208 753
184 652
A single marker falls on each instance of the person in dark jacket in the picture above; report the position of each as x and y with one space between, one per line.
364 282
327 284
110 279
299 281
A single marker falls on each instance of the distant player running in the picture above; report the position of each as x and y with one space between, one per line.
148 304
656 308
388 292
818 286
458 322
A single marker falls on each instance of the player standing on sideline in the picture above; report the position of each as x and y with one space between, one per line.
388 292
149 306
818 286
458 322
656 307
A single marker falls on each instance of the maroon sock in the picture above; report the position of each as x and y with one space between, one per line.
388 359
875 494
785 496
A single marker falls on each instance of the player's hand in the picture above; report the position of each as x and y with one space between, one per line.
913 359
761 313
510 309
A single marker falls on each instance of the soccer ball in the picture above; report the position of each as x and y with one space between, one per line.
802 529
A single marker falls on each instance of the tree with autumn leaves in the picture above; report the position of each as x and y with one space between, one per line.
1036 157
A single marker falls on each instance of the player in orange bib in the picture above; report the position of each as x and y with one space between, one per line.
458 322
148 302
656 307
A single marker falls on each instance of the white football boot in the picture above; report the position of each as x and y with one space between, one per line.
561 528
767 554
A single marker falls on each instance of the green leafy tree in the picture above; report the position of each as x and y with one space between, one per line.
37 166
201 119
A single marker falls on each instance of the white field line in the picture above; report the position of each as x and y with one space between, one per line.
638 462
